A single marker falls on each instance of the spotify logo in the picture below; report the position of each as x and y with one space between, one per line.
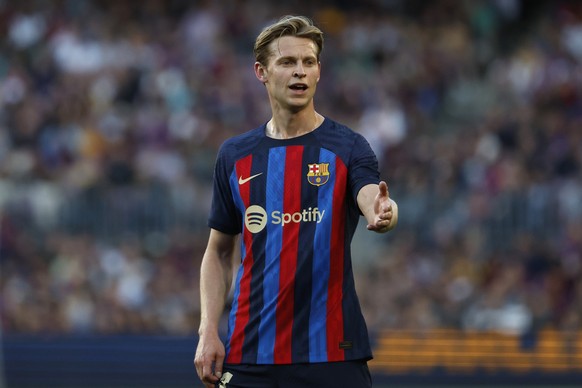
255 218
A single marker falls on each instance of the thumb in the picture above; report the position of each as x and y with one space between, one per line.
383 188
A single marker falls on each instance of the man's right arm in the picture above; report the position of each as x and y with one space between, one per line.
215 282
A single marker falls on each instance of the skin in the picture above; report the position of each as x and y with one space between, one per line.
215 282
293 61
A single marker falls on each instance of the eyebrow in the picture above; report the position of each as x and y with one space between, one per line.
294 58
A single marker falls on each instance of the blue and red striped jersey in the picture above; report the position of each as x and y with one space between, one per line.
294 203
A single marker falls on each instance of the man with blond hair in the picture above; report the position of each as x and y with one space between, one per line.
293 190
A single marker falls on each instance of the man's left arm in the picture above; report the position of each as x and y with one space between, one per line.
378 208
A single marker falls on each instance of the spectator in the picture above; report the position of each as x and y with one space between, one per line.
111 114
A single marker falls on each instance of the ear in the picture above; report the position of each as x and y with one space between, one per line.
260 72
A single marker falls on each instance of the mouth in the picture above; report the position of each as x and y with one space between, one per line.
298 87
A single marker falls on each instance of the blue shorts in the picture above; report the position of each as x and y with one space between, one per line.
353 374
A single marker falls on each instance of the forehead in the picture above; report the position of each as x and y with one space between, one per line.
292 46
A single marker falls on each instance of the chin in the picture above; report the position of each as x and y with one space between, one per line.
296 108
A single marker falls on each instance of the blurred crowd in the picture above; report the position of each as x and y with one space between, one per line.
111 114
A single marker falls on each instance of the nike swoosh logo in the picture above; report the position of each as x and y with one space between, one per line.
242 181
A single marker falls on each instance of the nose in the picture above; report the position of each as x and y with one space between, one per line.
299 72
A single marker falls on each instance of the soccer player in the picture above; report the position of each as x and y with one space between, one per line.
293 189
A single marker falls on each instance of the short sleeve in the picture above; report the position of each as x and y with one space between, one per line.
224 216
363 166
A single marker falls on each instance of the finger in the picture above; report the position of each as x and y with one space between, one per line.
386 207
378 225
378 228
207 373
383 187
198 369
210 381
218 366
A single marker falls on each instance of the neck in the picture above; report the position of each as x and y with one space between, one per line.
293 125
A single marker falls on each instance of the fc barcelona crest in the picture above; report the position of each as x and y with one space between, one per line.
318 174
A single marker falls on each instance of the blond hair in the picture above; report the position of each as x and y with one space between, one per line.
298 26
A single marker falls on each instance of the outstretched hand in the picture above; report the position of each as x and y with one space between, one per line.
385 214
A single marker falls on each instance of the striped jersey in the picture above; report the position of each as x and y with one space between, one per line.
294 203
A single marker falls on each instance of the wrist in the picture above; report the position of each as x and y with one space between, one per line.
207 329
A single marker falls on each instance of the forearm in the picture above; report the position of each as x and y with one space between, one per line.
213 292
215 283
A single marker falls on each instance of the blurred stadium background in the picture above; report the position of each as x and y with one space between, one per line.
111 113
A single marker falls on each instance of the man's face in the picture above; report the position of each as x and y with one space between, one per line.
292 73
